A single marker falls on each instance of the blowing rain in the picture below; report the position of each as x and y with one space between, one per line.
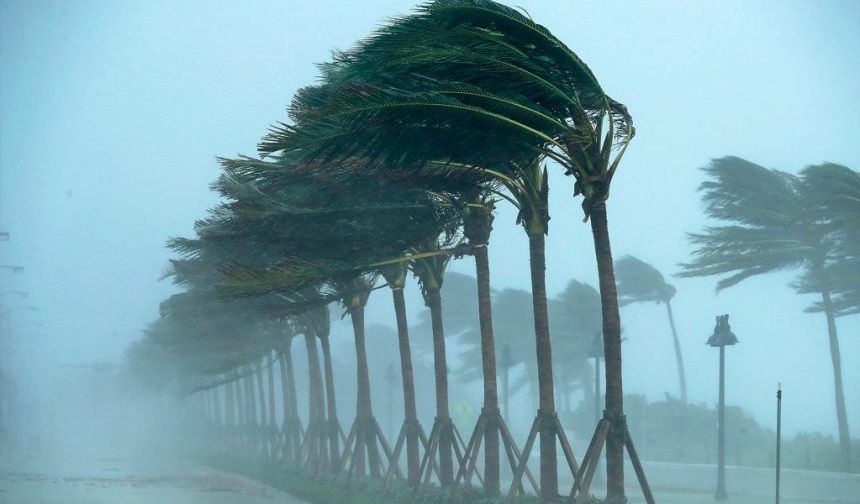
452 252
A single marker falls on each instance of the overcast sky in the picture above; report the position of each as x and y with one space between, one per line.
112 113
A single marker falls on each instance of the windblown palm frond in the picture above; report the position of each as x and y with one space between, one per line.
769 229
833 192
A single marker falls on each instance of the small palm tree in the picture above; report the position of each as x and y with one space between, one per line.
640 282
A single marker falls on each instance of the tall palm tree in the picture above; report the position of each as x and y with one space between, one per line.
395 276
430 272
640 282
769 223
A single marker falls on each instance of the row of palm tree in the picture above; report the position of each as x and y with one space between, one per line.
395 162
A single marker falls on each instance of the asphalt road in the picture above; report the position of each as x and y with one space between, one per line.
127 481
695 484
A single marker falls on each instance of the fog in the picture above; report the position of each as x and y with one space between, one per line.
112 113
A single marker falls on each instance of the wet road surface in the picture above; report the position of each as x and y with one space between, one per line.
123 481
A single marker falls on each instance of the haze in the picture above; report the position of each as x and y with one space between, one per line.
112 113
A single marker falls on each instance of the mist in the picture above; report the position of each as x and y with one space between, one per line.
112 115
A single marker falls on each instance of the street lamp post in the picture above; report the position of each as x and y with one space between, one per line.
722 337
778 435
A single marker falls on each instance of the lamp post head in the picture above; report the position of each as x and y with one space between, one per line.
723 335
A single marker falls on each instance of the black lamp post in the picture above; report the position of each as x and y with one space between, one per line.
722 337
778 435
506 362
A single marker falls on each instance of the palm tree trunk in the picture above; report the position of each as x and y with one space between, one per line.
251 402
229 407
261 429
548 462
614 410
271 429
440 367
316 402
836 358
409 409
488 364
291 408
291 404
365 436
331 402
240 412
679 358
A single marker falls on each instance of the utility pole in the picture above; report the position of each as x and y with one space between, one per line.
778 434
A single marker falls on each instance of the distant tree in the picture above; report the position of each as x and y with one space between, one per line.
773 221
640 282
576 316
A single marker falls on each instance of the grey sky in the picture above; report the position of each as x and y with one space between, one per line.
112 113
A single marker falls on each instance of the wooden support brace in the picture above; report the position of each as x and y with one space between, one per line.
637 467
518 476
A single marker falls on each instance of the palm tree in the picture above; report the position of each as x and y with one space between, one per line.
771 224
430 272
834 192
395 276
640 282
